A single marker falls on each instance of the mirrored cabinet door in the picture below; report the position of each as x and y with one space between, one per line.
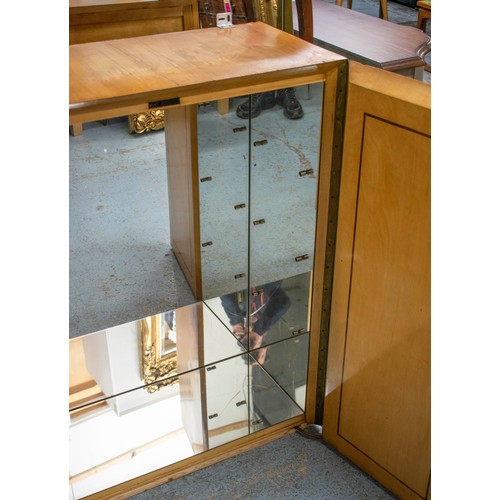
120 437
223 158
242 203
285 142
283 184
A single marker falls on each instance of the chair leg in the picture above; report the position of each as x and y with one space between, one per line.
382 12
423 17
340 2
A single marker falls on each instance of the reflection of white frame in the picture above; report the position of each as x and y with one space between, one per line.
168 340
157 363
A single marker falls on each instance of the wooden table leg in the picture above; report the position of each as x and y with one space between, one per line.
223 106
76 129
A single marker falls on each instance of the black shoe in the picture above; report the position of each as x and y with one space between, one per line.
259 102
291 106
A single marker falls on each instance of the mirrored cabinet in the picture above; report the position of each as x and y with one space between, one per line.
242 179
275 245
171 386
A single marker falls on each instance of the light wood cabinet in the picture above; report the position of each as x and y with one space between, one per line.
368 310
377 401
98 20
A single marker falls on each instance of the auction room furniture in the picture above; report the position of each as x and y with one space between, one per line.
369 40
424 14
351 351
382 13
98 20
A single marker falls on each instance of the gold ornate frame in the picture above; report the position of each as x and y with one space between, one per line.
156 370
143 122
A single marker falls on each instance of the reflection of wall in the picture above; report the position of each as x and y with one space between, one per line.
99 444
226 384
113 361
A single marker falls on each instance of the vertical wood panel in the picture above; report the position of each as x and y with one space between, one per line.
377 407
183 191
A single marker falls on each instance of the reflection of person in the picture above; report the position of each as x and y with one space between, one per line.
268 303
285 98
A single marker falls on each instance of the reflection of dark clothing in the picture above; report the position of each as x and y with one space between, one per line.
265 309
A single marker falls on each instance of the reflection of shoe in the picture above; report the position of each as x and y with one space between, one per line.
261 101
291 106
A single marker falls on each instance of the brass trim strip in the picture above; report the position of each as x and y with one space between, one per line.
331 238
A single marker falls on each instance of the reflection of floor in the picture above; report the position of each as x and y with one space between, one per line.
272 190
121 264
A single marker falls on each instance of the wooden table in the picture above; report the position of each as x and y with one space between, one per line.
118 77
369 40
98 20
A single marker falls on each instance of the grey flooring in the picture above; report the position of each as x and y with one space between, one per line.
294 467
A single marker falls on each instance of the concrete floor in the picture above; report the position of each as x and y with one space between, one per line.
291 468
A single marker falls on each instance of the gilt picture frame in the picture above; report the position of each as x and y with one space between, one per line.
158 353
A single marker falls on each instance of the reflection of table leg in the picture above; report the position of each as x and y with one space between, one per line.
223 106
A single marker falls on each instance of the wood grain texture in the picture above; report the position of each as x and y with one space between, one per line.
134 71
377 404
183 192
92 20
369 40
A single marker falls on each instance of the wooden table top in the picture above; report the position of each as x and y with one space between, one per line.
172 65
92 3
368 39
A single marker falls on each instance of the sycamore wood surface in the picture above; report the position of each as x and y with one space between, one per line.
377 403
106 78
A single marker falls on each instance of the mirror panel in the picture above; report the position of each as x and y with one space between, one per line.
223 173
138 431
285 362
283 185
149 352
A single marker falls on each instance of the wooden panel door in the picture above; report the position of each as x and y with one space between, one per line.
377 403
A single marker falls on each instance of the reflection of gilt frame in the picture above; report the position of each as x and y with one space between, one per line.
144 122
155 368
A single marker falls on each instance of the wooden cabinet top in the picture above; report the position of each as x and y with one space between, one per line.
92 3
134 71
